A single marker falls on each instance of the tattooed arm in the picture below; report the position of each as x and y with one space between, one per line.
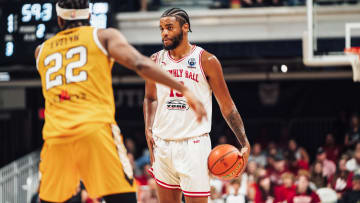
236 124
214 74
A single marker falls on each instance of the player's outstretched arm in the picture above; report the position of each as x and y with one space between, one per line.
125 54
214 74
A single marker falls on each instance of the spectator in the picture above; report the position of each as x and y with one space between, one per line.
137 170
215 196
354 163
272 149
235 3
352 196
222 140
303 192
257 155
260 3
130 146
270 163
297 157
248 3
252 188
353 134
155 5
145 176
317 176
264 190
237 191
331 149
144 159
276 3
341 181
329 168
278 169
219 187
341 126
143 5
296 2
148 195
220 4
251 171
287 189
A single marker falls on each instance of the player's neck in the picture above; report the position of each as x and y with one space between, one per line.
181 51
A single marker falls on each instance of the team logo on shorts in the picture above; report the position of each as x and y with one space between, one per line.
192 63
177 104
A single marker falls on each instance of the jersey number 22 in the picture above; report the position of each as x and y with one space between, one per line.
69 68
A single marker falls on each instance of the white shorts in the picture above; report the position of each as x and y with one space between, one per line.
182 165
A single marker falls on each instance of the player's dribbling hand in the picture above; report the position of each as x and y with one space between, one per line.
151 143
196 105
244 152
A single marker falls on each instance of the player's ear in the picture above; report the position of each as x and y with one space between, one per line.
61 22
185 28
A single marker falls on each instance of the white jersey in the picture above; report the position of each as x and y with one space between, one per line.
174 120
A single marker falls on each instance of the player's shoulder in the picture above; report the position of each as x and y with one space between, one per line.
207 57
37 51
107 30
105 34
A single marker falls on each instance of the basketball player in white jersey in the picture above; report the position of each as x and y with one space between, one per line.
179 146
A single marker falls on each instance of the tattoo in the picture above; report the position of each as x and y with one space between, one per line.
236 124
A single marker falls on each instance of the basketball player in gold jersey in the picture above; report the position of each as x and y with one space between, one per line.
202 73
82 140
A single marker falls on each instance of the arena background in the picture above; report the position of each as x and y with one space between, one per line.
259 45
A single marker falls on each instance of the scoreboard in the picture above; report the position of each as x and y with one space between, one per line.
26 24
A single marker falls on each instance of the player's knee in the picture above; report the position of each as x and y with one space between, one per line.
168 195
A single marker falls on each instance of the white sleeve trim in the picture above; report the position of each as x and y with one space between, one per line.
97 42
38 56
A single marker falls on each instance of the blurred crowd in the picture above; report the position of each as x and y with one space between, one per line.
277 173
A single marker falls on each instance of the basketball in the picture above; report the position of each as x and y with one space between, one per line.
225 162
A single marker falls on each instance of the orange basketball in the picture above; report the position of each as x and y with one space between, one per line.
225 162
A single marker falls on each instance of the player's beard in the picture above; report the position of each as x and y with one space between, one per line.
175 41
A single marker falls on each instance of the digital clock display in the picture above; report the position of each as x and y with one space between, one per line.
26 25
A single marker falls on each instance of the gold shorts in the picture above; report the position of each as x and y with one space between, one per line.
99 160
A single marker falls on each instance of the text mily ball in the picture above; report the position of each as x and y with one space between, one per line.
225 162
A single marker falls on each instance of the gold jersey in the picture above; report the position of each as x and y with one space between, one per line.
75 72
